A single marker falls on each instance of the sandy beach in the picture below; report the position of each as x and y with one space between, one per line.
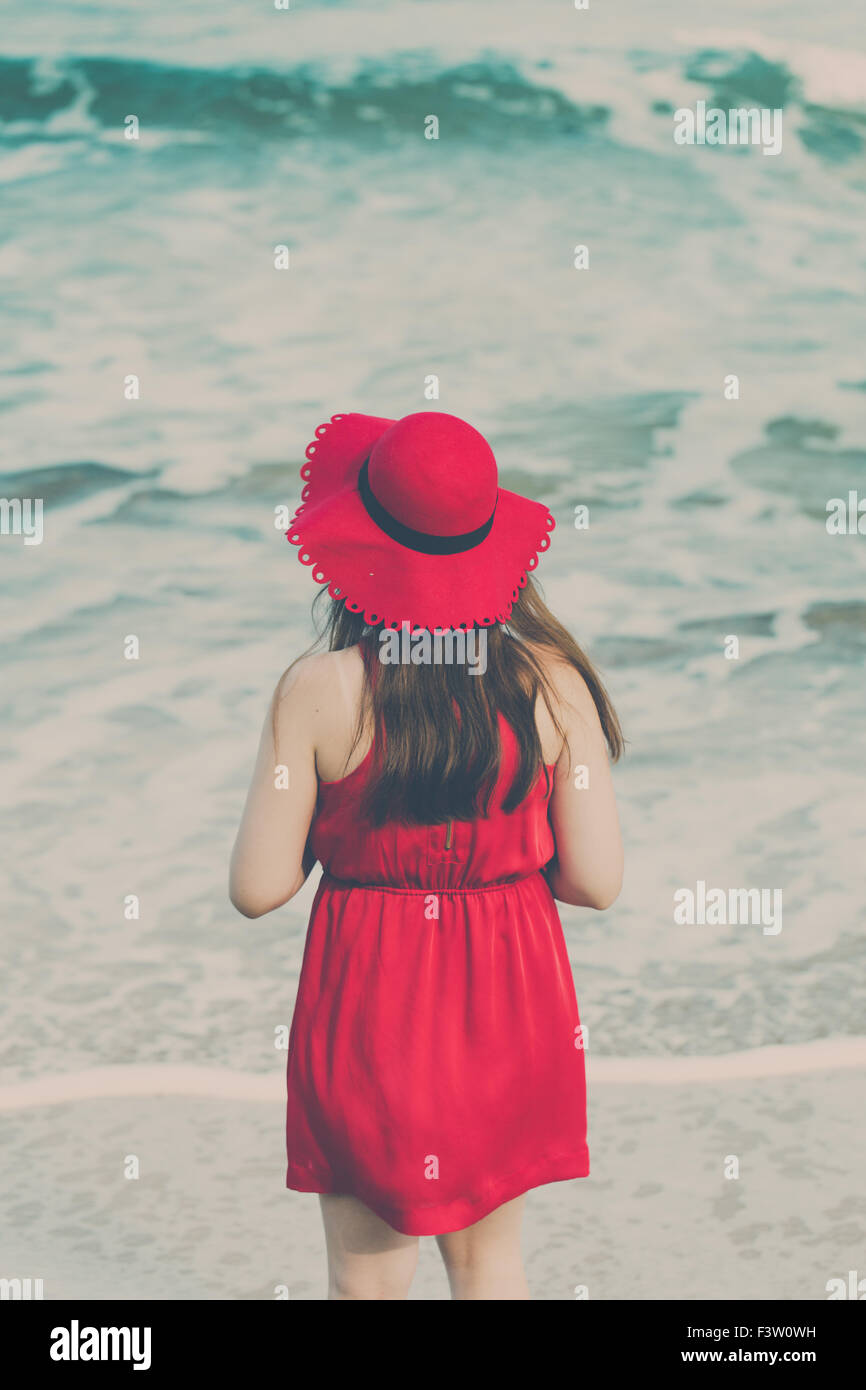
209 1217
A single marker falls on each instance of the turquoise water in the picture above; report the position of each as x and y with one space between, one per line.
409 258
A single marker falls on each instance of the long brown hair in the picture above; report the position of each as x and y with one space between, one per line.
435 726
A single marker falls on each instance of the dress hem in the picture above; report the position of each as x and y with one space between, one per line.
441 1218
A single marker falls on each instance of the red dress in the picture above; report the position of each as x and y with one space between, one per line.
435 1066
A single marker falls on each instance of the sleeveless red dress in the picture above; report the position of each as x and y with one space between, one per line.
435 1065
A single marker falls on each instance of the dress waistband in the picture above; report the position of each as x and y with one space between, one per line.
332 880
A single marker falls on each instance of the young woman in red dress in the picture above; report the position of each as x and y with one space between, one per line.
451 791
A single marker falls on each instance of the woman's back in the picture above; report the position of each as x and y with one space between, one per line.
341 695
496 848
294 817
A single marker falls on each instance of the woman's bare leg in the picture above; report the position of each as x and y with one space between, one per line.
484 1261
367 1258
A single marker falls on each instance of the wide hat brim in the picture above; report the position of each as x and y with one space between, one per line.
389 582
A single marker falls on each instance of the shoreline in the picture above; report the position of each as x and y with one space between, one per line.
168 1079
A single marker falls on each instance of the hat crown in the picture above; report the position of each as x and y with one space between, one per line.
434 473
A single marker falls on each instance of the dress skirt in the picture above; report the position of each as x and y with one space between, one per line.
435 1066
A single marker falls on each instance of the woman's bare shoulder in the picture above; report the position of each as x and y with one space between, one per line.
567 686
322 676
324 692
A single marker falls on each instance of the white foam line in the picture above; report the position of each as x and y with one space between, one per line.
158 1079
798 1059
127 1082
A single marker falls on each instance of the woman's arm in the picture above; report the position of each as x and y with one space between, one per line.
271 859
587 867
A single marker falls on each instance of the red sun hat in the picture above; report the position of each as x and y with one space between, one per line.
405 521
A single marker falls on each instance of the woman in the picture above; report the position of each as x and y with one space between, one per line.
435 1068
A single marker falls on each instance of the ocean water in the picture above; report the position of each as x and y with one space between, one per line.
411 257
